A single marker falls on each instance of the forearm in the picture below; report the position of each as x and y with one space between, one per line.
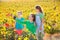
21 22
42 22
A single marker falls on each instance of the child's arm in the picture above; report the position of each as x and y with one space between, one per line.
42 21
42 25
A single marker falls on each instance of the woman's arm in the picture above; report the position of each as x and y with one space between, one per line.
21 22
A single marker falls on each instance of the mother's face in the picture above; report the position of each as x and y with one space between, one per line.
30 17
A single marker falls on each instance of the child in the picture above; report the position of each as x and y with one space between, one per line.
19 27
30 24
39 21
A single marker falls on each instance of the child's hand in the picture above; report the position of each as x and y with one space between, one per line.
40 28
14 29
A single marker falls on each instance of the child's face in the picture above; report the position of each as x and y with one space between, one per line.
37 10
31 18
19 14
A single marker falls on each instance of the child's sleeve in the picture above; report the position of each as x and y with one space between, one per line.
41 16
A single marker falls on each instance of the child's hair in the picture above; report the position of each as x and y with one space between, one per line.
33 17
20 12
39 8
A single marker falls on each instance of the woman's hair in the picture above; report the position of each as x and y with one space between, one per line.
39 8
33 17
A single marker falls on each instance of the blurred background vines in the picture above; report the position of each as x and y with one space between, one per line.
51 9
